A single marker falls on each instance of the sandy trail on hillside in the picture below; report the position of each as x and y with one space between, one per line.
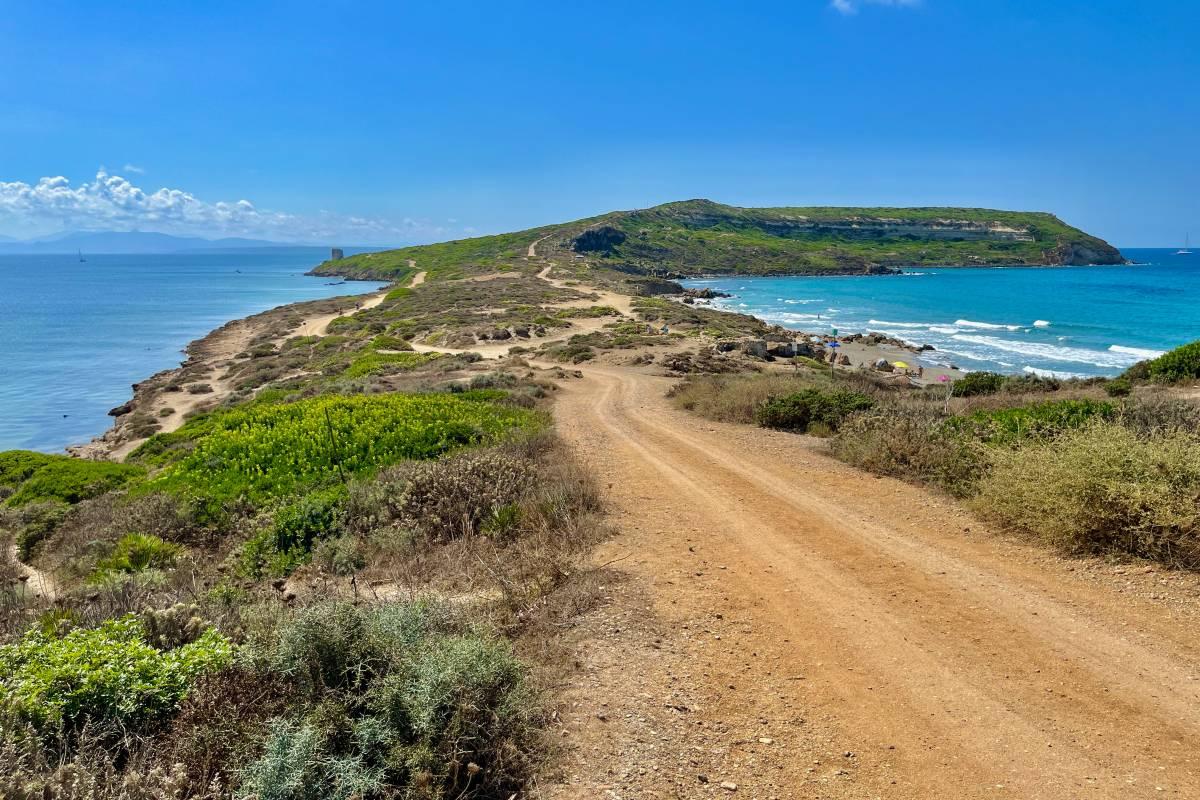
621 302
942 664
317 326
37 582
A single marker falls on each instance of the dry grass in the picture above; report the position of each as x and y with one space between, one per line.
912 446
1102 489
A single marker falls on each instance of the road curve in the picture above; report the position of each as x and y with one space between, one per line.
953 664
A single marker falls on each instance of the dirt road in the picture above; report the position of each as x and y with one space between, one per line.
907 652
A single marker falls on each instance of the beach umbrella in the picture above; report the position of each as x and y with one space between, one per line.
900 364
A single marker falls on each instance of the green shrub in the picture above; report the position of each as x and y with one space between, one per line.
811 407
1118 387
979 383
385 342
374 363
40 477
108 674
1180 364
36 522
1026 384
735 398
17 465
1045 420
1100 489
136 552
288 541
459 496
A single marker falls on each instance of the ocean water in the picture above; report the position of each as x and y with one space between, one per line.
75 336
1067 321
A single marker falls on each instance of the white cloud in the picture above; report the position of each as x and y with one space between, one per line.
112 202
851 6
134 169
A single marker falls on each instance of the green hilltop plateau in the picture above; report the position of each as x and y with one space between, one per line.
700 237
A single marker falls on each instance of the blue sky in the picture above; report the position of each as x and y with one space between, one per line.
393 122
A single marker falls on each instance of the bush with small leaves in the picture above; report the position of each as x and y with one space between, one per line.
35 523
812 407
288 541
978 383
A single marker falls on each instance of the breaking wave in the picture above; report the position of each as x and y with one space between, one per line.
1050 352
1051 373
1138 352
985 326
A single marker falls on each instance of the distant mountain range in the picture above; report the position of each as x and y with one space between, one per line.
133 242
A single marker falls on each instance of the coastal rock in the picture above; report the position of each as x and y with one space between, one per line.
650 287
121 410
755 347
704 294
782 349
598 240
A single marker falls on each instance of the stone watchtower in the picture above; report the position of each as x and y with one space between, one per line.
336 254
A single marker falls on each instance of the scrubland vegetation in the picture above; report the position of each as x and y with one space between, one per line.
327 597
1072 463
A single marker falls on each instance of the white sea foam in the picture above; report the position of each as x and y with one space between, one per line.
900 324
1051 373
941 329
1050 352
1041 323
1137 352
786 317
985 326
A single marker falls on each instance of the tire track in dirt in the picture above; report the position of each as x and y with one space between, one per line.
982 671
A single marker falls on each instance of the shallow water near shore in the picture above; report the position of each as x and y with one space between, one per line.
75 336
1067 321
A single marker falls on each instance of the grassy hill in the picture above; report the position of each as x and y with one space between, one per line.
700 237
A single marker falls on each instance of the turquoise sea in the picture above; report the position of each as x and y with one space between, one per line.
75 336
1068 321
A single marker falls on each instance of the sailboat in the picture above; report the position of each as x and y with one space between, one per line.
1187 242
82 260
